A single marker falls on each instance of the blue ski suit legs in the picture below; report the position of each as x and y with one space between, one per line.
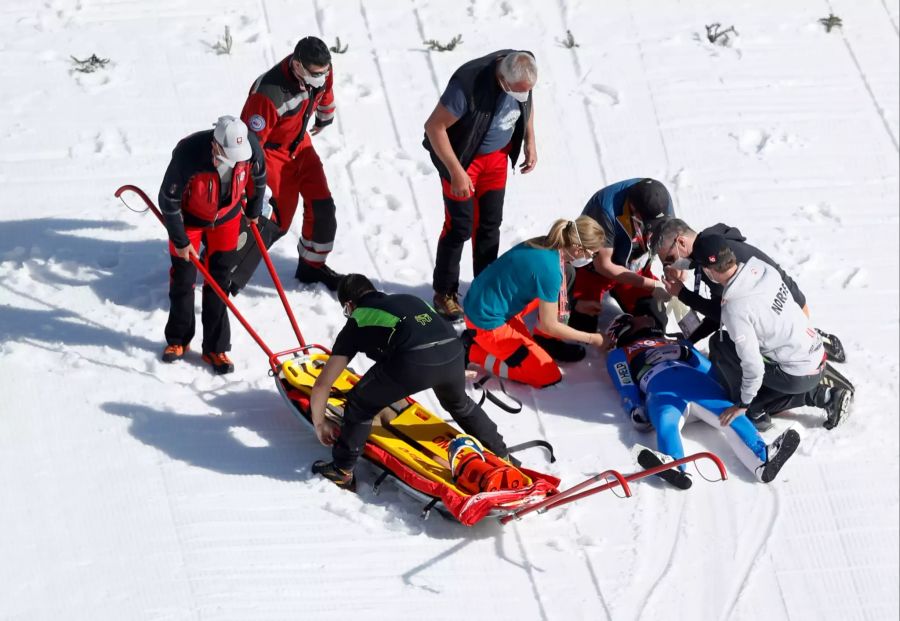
682 389
677 394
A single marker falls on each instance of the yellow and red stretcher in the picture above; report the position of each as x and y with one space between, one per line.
410 443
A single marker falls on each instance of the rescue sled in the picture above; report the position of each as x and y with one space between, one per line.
409 444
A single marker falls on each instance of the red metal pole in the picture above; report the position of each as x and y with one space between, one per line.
202 269
556 499
268 260
574 493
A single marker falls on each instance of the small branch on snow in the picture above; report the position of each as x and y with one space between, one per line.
714 35
832 21
89 65
436 46
223 45
569 41
336 48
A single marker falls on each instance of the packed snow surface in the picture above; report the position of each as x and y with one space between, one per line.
133 489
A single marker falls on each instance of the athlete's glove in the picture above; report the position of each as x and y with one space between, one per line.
639 419
666 352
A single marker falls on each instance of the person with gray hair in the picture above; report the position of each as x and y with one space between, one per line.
484 117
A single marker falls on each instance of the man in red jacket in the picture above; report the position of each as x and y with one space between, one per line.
202 194
278 110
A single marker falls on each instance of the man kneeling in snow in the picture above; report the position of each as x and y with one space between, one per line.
664 383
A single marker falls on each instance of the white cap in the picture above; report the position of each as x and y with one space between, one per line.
231 134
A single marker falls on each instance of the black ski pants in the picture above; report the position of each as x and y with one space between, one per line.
780 391
478 217
441 368
220 258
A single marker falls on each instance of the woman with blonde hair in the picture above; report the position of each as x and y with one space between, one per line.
527 276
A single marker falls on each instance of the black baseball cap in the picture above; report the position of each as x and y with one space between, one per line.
650 199
711 250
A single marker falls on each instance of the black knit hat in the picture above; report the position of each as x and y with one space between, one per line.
711 250
650 199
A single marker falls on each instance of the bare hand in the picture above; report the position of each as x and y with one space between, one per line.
673 285
186 252
730 414
254 220
661 292
316 129
588 307
461 185
326 431
530 152
672 273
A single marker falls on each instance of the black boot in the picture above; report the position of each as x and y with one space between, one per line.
838 407
310 274
777 454
341 478
583 322
560 350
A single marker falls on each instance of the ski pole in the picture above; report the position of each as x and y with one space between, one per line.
275 279
200 268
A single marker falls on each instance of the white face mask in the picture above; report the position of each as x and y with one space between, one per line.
314 81
520 97
224 162
681 264
581 262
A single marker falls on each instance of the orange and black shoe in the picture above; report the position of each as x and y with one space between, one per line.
338 476
221 363
175 352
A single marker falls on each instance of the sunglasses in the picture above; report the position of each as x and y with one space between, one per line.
666 257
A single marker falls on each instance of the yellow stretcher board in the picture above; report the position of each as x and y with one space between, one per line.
406 430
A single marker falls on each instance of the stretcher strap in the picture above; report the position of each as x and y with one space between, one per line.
531 444
490 396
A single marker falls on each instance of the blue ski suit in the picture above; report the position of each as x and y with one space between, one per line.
674 383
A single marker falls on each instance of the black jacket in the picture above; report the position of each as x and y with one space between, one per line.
384 326
479 82
192 159
711 308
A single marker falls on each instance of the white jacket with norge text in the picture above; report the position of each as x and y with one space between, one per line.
765 322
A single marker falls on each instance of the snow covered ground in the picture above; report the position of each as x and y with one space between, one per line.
131 489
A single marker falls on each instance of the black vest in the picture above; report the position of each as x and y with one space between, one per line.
478 81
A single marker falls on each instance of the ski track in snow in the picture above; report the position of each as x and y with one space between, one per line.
865 80
586 102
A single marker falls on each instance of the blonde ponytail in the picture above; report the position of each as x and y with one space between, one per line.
583 231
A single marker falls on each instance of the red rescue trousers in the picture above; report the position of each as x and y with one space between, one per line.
589 285
289 178
509 351
220 241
